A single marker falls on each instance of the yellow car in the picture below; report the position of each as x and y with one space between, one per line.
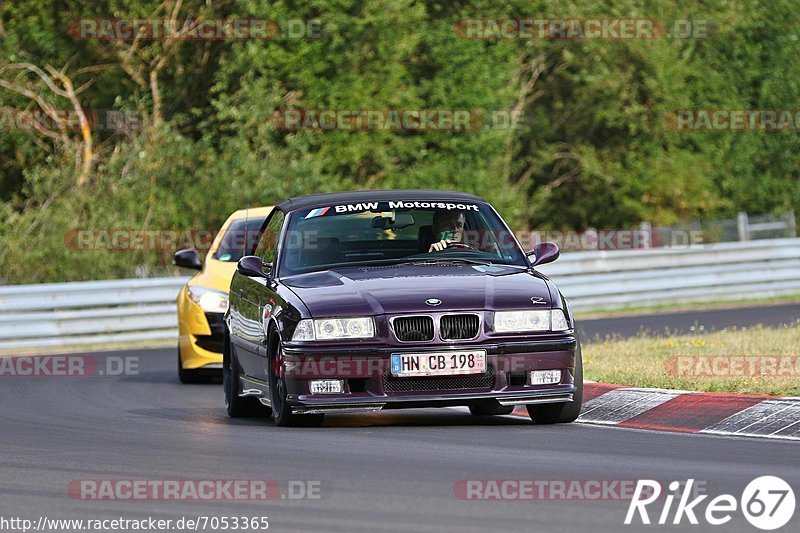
202 302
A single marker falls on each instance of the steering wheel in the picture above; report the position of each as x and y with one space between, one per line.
461 245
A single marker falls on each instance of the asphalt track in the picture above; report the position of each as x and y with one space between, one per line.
690 321
387 471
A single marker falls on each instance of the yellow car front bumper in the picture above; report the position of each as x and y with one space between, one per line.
199 335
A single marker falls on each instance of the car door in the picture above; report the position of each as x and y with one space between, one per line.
253 294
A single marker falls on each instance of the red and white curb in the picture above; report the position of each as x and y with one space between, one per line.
739 415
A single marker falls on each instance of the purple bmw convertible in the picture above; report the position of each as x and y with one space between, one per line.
372 300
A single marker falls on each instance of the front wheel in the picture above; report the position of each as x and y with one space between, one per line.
282 412
562 413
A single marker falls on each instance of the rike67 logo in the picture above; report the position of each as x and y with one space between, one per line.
767 502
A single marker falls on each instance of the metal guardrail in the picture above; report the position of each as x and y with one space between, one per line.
724 271
92 312
95 312
747 225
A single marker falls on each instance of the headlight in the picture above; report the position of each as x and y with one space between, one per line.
304 330
209 300
511 321
559 320
526 321
322 329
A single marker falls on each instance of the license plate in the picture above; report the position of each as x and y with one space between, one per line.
439 363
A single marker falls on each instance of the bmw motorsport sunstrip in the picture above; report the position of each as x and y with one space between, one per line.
374 300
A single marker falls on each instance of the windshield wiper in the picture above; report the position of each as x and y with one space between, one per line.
483 262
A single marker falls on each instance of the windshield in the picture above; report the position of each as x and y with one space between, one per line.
241 235
396 232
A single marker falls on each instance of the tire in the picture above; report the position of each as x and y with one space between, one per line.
490 409
562 413
281 413
192 376
235 405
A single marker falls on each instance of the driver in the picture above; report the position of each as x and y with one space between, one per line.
447 227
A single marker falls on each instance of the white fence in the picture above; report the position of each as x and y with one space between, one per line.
64 314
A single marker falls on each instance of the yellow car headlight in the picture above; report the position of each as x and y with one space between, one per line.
209 300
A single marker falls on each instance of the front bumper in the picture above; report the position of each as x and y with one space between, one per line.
200 336
368 385
355 404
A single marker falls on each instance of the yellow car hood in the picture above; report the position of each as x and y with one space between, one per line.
215 275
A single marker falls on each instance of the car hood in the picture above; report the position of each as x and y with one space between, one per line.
400 289
215 275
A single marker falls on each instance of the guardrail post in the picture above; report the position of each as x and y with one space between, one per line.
592 239
742 226
791 224
646 230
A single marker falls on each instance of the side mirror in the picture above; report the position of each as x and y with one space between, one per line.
187 258
253 266
544 252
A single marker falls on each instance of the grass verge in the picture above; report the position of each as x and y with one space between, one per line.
755 360
89 348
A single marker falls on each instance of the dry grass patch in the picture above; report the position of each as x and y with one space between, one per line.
755 360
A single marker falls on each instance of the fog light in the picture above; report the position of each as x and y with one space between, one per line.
327 386
545 377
